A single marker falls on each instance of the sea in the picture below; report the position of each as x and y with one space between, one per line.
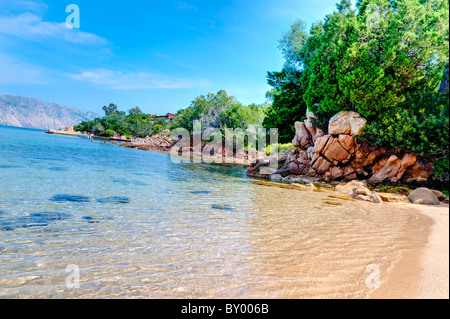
82 219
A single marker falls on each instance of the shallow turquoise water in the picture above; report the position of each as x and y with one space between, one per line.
137 225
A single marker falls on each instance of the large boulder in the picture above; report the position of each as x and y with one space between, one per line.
354 188
440 195
392 169
302 137
346 122
320 164
420 171
423 196
334 151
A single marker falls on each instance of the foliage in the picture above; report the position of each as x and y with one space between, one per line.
384 59
287 103
420 126
107 133
219 111
135 123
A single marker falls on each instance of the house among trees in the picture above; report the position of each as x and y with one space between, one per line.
169 117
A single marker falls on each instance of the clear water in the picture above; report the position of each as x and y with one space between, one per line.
139 226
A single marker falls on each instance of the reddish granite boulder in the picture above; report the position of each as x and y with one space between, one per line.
346 122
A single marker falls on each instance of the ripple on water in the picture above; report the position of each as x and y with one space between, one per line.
95 219
51 215
58 169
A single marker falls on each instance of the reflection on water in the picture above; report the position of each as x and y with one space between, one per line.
138 225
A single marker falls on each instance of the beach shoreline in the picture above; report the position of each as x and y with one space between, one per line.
422 272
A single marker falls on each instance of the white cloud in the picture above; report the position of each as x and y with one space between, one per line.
23 5
185 6
30 26
118 80
14 71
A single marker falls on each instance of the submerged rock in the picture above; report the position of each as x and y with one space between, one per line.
114 200
70 198
51 215
22 222
222 207
200 192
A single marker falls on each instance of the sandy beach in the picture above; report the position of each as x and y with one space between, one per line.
423 272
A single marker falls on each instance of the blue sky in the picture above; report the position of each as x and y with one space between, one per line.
158 55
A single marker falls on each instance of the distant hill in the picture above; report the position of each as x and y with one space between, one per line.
33 113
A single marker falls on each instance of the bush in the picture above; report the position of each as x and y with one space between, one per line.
107 133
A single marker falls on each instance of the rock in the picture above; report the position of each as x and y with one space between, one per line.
336 172
420 171
423 196
334 152
276 178
346 122
320 144
310 127
283 172
321 165
294 168
389 197
302 137
348 143
376 198
310 152
393 169
354 188
440 195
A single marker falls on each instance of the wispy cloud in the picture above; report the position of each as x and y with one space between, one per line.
185 6
31 27
171 60
14 71
23 5
118 80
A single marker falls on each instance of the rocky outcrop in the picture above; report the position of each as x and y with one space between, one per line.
392 169
346 122
160 142
359 190
337 156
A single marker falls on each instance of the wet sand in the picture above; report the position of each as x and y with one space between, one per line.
422 272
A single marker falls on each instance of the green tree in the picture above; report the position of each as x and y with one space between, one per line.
135 111
111 109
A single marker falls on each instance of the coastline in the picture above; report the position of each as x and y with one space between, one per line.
423 271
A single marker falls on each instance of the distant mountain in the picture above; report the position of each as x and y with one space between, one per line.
33 113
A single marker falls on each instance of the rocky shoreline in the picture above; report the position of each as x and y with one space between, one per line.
338 158
334 160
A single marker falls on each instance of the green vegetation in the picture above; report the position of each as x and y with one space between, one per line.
135 123
213 110
402 190
218 111
385 60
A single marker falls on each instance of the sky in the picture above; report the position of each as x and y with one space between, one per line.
158 55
